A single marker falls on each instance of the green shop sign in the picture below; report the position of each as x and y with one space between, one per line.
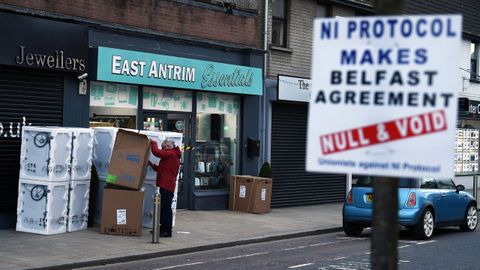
115 65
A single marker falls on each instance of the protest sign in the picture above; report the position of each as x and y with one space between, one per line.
384 95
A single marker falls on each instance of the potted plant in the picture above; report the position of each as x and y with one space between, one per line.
265 170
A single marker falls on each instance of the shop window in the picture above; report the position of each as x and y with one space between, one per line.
113 105
217 149
167 100
467 141
474 62
279 23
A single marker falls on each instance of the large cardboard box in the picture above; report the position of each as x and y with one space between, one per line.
250 194
129 162
233 191
262 195
122 212
243 193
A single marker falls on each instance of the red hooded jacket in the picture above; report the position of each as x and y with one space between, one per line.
167 169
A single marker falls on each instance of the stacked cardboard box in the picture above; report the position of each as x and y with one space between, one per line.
122 199
250 194
122 211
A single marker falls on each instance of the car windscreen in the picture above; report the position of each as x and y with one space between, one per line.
366 181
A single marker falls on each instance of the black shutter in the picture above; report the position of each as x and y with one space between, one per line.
292 186
37 96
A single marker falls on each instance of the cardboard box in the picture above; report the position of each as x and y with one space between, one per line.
122 212
233 192
262 195
129 162
250 194
243 193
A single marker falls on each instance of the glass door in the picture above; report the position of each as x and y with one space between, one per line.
180 123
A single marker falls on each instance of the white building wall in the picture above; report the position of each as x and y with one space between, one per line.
467 89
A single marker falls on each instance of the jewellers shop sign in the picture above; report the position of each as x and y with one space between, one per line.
384 95
43 44
116 65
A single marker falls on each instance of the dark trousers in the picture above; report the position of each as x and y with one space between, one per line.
166 211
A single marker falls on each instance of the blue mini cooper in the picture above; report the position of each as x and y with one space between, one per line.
423 205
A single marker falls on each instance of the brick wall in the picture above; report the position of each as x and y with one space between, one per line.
160 15
260 23
297 61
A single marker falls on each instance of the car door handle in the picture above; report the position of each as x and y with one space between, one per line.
444 195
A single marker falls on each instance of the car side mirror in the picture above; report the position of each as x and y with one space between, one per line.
460 188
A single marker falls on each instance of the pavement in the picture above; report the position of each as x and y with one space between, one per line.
194 231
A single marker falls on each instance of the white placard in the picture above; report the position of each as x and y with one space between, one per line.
121 216
294 89
243 191
263 196
384 95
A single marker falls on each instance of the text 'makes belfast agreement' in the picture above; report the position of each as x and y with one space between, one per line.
375 77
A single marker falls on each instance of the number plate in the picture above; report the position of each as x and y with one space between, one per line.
369 197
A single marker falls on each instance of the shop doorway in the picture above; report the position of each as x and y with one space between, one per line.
180 123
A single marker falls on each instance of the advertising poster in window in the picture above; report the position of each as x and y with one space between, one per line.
218 103
113 95
466 150
167 99
384 95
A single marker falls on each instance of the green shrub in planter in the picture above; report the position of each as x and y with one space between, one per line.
265 170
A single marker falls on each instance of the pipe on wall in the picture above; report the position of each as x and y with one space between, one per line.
264 96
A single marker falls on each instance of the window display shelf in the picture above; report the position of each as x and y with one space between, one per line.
209 180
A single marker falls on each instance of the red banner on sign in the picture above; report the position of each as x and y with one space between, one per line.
402 128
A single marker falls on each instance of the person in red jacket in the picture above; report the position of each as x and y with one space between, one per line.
167 171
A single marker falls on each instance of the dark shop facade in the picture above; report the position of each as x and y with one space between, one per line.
81 74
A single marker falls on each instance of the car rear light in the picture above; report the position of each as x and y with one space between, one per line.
412 199
350 197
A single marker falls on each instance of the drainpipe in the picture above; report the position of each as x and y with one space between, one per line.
265 35
265 101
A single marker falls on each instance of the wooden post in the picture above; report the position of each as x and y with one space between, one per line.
384 243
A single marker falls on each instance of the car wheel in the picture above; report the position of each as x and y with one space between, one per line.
471 219
352 229
424 228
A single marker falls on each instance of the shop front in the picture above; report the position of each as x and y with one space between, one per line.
288 110
40 62
467 141
201 99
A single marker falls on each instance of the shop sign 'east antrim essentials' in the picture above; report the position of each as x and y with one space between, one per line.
384 95
135 67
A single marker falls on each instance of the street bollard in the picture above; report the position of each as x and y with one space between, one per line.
156 216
